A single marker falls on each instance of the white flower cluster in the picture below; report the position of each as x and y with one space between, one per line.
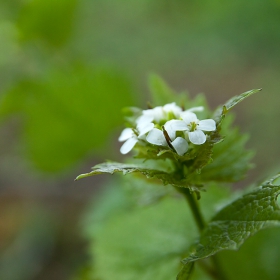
158 126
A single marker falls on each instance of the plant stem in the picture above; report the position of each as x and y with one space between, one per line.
194 208
215 271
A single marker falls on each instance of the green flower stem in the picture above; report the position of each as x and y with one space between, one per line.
215 271
194 207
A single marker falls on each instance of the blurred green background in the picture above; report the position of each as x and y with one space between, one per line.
68 67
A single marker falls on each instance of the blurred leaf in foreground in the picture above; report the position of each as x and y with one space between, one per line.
133 242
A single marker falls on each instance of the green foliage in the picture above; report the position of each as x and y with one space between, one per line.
230 159
165 175
161 94
68 114
134 242
238 221
47 20
113 167
236 99
257 259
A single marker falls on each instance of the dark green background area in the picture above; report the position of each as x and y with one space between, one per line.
67 68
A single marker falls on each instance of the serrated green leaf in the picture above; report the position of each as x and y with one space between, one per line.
231 160
113 167
238 221
166 176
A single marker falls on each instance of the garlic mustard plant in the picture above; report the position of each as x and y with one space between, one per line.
179 142
193 127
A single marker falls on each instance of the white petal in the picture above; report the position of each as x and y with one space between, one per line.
144 129
148 112
178 125
197 137
196 109
128 145
170 130
172 107
189 117
207 125
158 114
169 107
126 134
180 145
156 137
144 119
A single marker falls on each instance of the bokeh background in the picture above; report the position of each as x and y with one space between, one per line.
68 67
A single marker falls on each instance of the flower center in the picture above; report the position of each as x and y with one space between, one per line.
192 126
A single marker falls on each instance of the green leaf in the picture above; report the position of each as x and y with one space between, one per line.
221 111
231 160
166 176
238 221
161 92
225 151
113 167
141 243
238 98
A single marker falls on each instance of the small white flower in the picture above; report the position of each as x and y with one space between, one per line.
172 108
160 113
130 139
194 127
156 137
